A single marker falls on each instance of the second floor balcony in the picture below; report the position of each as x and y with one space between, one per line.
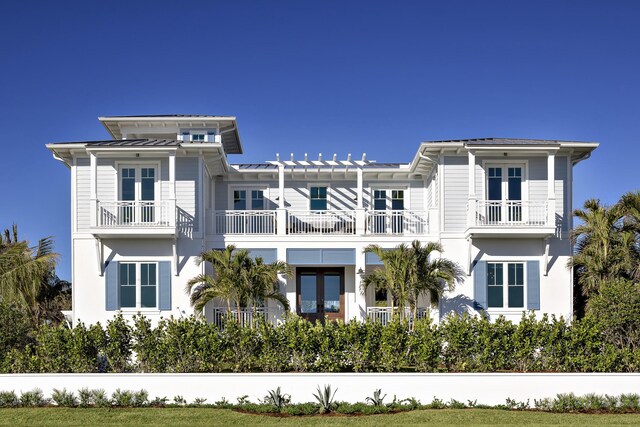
135 218
504 217
320 222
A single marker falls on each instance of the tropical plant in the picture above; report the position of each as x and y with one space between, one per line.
411 272
325 398
277 399
23 271
237 279
377 399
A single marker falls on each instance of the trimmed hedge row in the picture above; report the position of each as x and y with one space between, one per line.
458 344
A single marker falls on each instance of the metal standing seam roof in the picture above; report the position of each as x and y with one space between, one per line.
143 142
167 116
502 141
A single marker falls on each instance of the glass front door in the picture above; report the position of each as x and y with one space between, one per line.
504 194
320 293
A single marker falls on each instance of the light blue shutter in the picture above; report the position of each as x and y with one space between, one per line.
480 284
111 286
164 279
186 136
533 285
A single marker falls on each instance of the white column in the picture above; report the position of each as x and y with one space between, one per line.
281 212
360 303
360 215
551 189
93 209
471 207
172 189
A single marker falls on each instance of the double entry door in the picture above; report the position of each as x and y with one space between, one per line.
137 195
320 293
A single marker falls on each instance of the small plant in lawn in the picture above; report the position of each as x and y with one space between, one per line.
436 404
301 409
159 402
9 399
612 402
513 404
179 400
325 398
122 398
243 400
567 402
377 399
85 398
277 399
472 403
33 398
198 401
64 398
223 403
100 398
595 402
629 402
140 398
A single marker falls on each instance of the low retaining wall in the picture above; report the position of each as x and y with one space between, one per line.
487 389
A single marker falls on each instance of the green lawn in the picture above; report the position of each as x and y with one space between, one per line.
207 417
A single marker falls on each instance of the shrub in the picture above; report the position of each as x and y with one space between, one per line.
33 398
325 398
377 399
9 399
277 399
123 398
64 398
301 409
100 398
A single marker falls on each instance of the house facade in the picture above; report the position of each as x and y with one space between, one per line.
148 200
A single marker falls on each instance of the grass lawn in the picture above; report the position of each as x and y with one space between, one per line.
207 417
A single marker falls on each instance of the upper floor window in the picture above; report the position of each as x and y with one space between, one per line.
240 202
137 190
138 285
197 137
511 274
318 198
388 199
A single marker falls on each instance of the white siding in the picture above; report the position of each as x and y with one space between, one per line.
562 193
537 179
188 197
83 193
107 190
456 193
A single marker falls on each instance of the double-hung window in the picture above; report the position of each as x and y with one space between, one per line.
247 199
505 284
138 283
318 198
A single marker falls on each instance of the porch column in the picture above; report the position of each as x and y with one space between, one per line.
281 212
288 284
93 208
551 189
360 215
471 204
170 204
358 310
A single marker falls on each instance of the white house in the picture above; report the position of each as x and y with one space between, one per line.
147 201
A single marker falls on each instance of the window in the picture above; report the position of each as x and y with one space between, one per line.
513 293
504 193
138 293
197 137
318 199
240 200
257 200
138 194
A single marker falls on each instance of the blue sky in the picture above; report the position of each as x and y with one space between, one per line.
326 76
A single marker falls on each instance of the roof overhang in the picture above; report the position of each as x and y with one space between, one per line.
226 125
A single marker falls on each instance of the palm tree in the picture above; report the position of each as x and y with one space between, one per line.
603 245
237 279
629 205
410 272
24 271
263 283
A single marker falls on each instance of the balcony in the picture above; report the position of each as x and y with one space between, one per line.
384 315
504 217
135 219
323 223
247 317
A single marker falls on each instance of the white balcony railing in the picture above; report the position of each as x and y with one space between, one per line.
397 222
136 214
321 222
248 317
498 213
245 222
385 314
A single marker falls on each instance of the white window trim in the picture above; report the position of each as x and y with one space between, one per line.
390 187
319 184
138 308
486 164
505 309
248 188
157 188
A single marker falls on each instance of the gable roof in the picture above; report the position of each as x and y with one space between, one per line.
141 142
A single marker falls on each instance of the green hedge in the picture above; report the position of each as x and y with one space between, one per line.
458 344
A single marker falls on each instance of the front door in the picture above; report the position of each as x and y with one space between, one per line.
320 293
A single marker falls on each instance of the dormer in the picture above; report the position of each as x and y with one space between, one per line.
187 128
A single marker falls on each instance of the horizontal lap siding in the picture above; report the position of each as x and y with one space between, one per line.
562 195
537 179
107 190
83 193
188 192
456 194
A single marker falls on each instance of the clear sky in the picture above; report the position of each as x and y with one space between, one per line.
325 76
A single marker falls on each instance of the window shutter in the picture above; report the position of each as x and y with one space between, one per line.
480 285
533 285
111 286
164 278
186 136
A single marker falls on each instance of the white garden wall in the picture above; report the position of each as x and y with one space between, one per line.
487 389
